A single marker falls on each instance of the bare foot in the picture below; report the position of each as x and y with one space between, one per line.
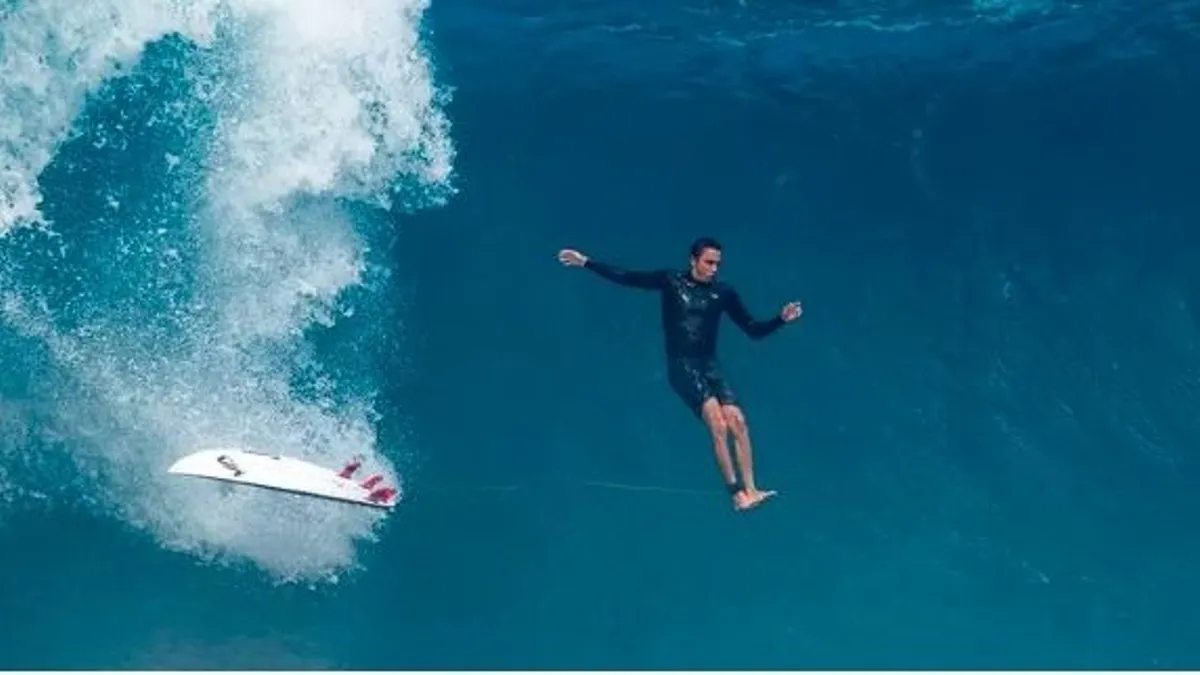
748 499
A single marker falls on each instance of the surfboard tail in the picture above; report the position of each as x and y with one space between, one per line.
348 470
382 495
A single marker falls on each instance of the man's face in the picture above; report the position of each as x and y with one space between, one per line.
705 265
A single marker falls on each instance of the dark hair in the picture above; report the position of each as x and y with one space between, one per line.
703 243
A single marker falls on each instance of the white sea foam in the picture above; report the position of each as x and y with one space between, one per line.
322 103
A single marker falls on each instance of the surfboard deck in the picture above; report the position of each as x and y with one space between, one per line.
274 472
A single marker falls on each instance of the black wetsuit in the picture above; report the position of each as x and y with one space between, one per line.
691 313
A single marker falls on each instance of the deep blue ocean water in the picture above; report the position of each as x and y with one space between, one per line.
332 231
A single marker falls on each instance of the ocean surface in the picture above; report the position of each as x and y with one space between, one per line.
329 230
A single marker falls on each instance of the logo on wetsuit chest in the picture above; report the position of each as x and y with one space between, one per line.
700 300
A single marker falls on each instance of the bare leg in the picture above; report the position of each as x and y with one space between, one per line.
735 421
719 428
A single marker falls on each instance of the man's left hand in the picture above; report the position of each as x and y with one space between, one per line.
791 311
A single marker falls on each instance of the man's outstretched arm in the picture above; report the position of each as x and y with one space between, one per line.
648 280
758 329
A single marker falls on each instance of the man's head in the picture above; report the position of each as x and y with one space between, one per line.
706 259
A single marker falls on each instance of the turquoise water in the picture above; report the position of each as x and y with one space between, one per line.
332 233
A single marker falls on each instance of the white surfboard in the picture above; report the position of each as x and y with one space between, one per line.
275 472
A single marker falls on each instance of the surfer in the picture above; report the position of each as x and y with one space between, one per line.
692 304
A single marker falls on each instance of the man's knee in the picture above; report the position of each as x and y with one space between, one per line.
714 417
735 421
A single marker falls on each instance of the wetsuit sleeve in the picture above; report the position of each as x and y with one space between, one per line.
750 326
647 280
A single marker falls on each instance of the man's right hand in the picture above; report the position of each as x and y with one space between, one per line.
572 258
